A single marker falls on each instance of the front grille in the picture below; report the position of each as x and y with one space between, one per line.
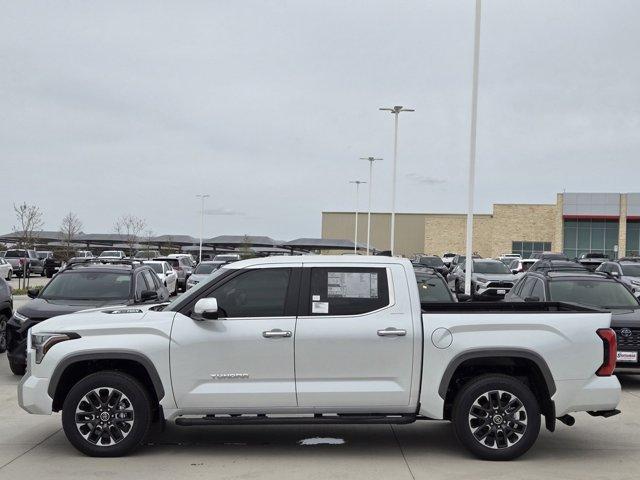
631 341
499 285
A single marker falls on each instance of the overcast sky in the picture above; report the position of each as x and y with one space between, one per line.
110 107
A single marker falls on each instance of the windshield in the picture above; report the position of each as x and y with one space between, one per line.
110 253
194 291
80 285
432 289
157 267
631 270
16 254
597 293
431 261
42 255
206 268
490 267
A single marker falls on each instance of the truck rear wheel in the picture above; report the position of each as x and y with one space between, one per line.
106 414
496 417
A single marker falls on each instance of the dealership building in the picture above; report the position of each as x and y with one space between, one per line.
576 223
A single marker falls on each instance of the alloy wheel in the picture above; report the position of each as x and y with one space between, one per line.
104 416
498 419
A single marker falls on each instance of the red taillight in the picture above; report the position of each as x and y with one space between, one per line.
610 344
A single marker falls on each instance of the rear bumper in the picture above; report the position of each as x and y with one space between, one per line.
593 394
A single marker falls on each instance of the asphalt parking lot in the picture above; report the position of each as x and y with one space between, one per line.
31 445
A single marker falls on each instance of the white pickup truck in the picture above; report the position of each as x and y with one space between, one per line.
320 340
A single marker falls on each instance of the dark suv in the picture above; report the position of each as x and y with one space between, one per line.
79 286
593 289
6 309
19 258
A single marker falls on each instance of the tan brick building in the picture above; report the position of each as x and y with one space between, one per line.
575 223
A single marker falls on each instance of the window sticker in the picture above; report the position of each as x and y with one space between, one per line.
320 307
316 298
352 285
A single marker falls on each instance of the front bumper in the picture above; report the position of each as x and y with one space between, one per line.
33 396
482 291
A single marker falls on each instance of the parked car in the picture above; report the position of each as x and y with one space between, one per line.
521 265
626 270
83 254
203 270
546 265
51 263
460 260
6 310
592 289
592 260
182 267
6 270
112 255
432 287
227 257
147 254
166 274
224 354
447 258
489 279
549 256
507 258
19 258
434 262
78 287
192 260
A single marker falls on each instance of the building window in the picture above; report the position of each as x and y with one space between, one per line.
525 249
633 238
590 235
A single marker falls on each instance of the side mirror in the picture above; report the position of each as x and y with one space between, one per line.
532 299
463 297
33 292
205 309
147 295
514 271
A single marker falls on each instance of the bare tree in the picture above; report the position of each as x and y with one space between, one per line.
70 227
129 227
29 223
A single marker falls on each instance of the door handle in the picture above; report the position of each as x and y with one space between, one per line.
276 333
392 332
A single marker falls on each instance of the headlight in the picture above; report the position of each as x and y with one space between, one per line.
42 342
481 280
21 318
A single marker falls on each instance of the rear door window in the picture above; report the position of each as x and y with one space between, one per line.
348 291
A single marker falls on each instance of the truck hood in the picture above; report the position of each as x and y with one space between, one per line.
124 316
625 318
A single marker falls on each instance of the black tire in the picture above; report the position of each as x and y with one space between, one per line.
49 273
9 274
17 367
136 400
3 333
43 273
488 432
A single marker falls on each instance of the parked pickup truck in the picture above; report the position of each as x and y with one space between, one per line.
320 340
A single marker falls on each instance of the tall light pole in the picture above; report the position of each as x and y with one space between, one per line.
201 197
370 160
472 151
355 240
395 111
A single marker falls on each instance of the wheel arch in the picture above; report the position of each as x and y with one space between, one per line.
519 363
77 366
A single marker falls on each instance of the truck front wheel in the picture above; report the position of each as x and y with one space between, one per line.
496 417
106 414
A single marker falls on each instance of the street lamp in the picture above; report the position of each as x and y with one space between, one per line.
201 197
370 160
355 240
472 152
395 111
